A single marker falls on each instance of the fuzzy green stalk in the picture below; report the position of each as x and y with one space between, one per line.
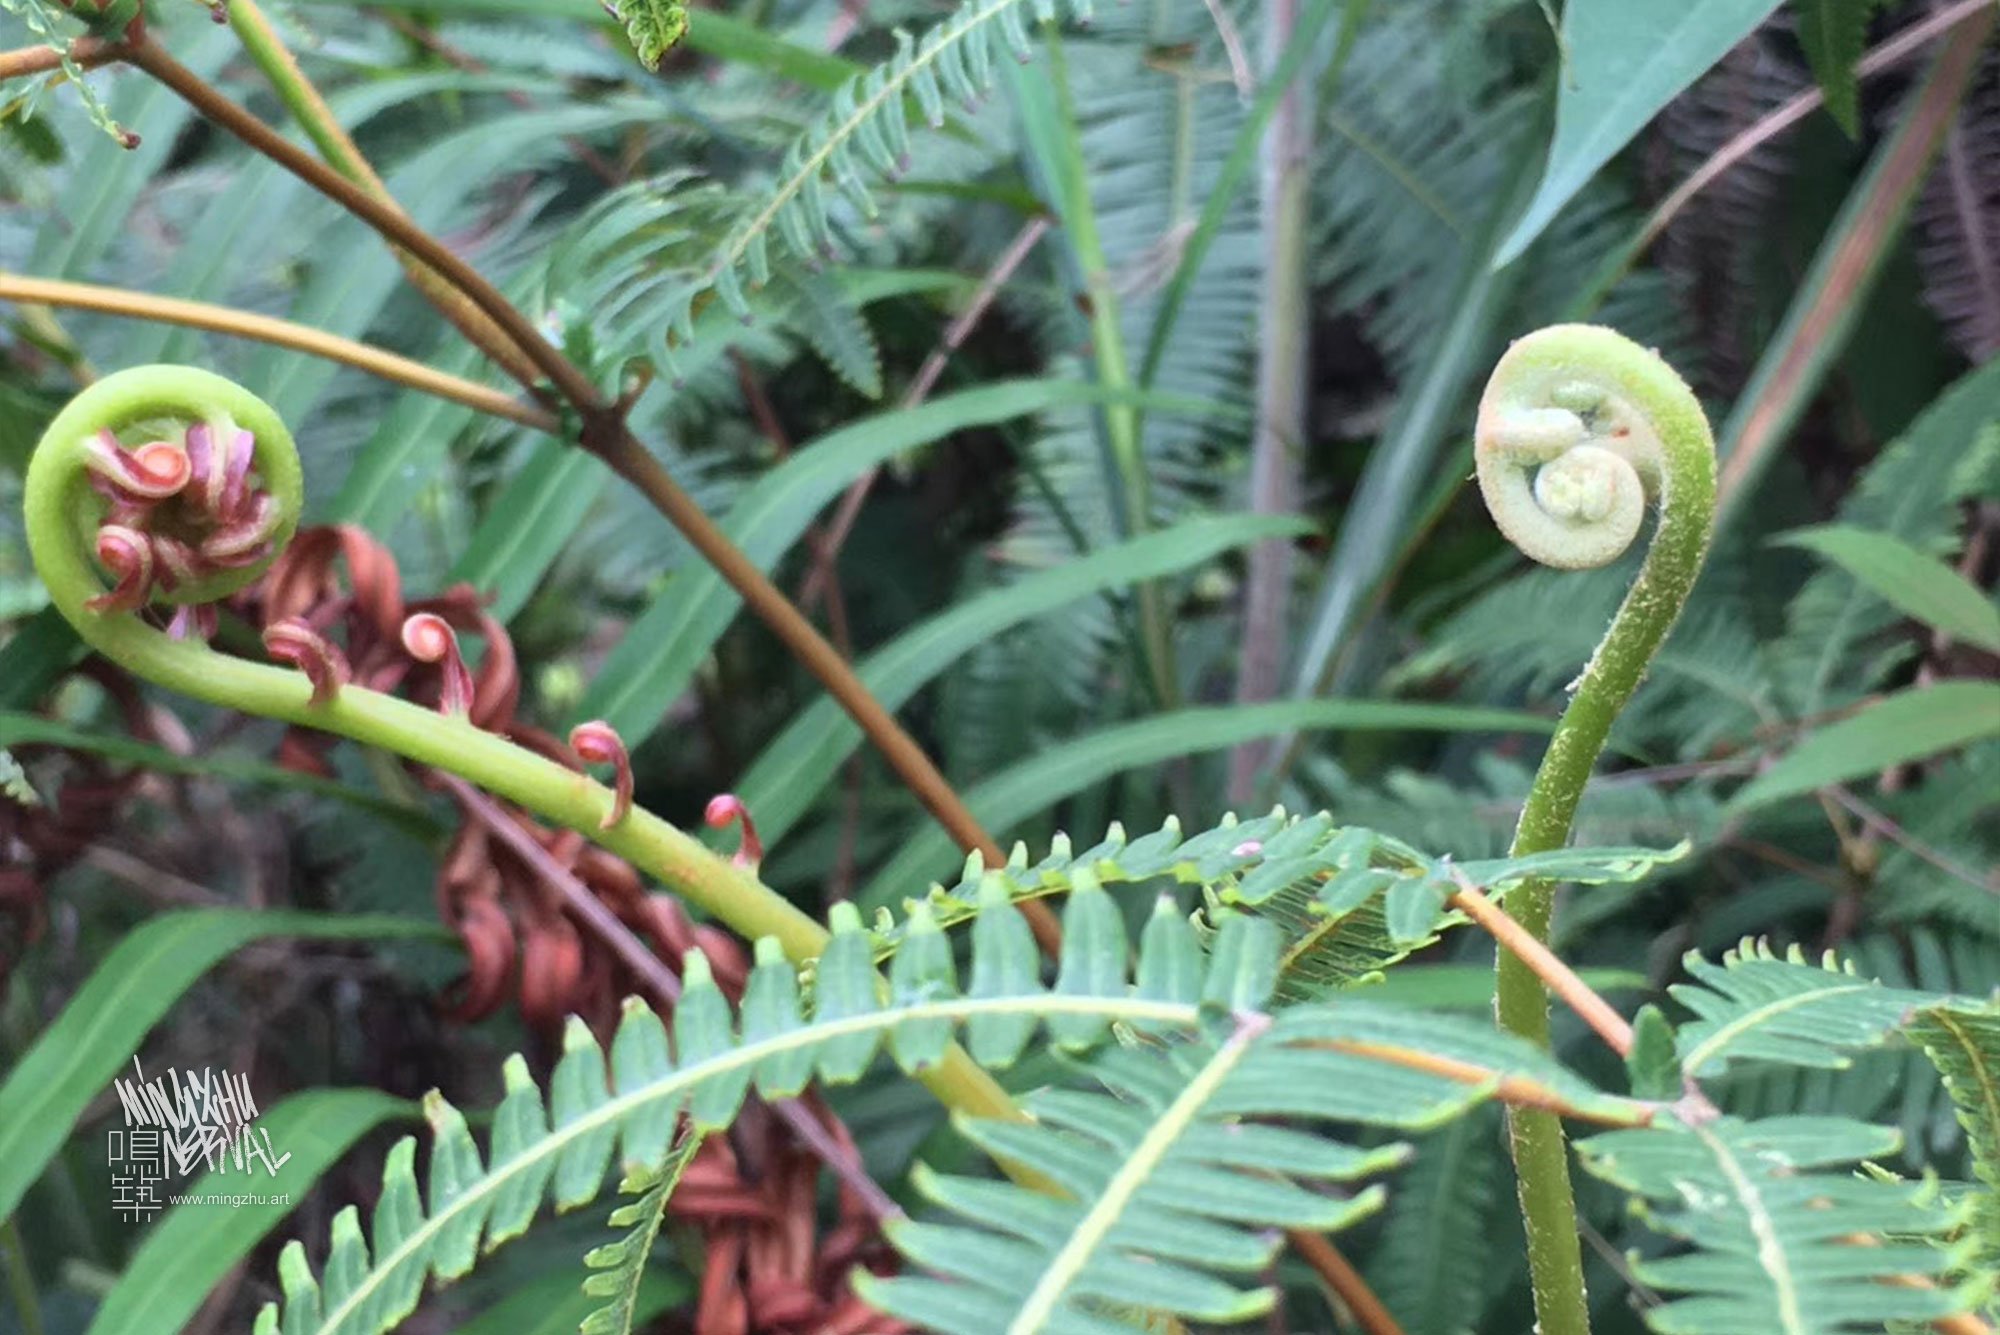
62 515
1579 429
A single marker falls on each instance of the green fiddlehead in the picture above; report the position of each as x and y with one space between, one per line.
166 488
1579 429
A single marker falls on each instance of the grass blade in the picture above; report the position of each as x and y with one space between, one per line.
136 984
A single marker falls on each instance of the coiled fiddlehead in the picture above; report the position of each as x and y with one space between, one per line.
171 485
1578 430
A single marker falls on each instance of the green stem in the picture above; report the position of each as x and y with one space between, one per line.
1121 420
61 512
268 52
1607 424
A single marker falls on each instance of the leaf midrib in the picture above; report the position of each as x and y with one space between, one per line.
616 1108
1132 1175
1702 1052
1771 1257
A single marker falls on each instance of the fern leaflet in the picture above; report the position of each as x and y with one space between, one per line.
865 130
1757 1006
1775 1245
1171 1187
620 1266
1964 1045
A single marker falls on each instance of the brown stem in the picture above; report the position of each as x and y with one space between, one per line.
317 120
605 434
281 333
1339 1275
394 225
1515 1091
647 967
87 52
955 334
1608 1024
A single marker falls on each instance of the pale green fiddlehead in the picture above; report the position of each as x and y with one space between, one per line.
166 484
1579 429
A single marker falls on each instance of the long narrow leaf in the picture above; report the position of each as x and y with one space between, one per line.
97 1033
199 1241
1624 60
1908 725
784 780
661 650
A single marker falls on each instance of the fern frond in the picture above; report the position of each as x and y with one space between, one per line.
1957 220
620 1267
1778 1247
1758 1006
1440 1223
629 1099
1173 1187
1305 872
48 23
1964 1045
1419 1070
830 324
866 132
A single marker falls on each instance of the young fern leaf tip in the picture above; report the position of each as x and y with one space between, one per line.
1579 428
654 27
171 485
191 486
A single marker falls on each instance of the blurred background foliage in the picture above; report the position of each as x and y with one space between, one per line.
987 585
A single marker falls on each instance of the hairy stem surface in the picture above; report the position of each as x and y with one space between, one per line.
1578 428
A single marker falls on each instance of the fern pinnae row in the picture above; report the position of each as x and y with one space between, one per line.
1770 1249
608 1116
1698 1056
868 113
555 1145
619 1267
1758 1004
1090 1231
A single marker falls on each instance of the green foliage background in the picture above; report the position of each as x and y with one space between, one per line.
1822 729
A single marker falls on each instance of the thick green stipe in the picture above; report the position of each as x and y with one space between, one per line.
1579 428
64 512
64 515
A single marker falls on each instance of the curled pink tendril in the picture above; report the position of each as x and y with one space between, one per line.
294 641
126 554
429 638
596 743
177 512
726 807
